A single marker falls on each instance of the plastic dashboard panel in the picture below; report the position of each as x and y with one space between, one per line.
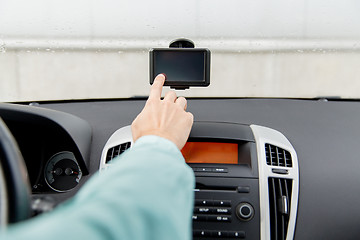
78 129
43 134
325 134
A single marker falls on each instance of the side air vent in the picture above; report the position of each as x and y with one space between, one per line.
276 156
280 202
278 183
116 151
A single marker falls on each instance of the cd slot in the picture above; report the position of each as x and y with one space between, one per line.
203 187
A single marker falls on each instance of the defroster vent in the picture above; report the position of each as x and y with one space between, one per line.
276 156
116 151
280 202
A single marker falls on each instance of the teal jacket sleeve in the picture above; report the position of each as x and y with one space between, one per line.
147 193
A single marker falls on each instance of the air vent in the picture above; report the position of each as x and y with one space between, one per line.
276 156
278 195
116 151
280 202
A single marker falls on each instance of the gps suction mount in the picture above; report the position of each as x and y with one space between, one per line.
182 43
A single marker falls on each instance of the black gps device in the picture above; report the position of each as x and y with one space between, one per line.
183 67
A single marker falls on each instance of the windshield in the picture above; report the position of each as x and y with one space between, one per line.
59 50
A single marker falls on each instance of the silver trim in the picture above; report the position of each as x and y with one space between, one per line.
266 135
285 206
120 136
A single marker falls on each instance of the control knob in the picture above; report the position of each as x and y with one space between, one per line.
245 211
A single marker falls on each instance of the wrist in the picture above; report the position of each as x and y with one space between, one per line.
159 134
156 140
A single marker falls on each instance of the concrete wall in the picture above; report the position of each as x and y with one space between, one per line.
48 74
79 49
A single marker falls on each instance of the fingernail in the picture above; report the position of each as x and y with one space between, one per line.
164 75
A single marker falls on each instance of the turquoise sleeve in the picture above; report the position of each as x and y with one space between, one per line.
147 193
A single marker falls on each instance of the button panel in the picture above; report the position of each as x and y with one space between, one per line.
219 234
210 169
216 212
211 218
212 210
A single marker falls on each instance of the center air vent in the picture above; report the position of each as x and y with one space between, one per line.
276 156
116 151
280 202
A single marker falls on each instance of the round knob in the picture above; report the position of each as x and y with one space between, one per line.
69 171
58 171
244 211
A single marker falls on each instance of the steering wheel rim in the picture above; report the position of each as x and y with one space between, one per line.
3 200
16 196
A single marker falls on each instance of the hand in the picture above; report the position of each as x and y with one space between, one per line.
166 118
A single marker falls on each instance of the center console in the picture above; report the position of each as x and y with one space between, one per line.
227 187
246 179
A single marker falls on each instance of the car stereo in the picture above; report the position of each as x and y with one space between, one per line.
227 188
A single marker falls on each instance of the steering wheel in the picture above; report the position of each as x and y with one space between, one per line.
14 181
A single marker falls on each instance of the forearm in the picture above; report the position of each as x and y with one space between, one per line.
146 194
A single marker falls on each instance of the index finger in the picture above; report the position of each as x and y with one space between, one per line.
156 88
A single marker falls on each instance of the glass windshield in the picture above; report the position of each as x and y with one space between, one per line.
58 50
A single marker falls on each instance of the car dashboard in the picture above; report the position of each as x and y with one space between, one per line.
294 174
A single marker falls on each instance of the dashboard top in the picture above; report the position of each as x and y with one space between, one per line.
325 135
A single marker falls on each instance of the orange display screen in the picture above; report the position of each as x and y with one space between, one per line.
210 152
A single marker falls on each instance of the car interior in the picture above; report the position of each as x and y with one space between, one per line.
274 158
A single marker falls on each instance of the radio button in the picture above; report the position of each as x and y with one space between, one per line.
243 189
220 170
219 234
201 233
223 210
225 219
203 202
219 218
199 218
238 234
202 210
203 169
226 203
